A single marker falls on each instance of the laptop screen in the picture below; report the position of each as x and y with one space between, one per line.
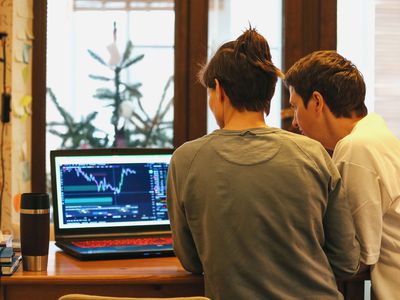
110 188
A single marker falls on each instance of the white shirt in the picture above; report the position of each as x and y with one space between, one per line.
369 162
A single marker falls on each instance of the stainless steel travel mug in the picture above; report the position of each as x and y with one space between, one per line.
35 231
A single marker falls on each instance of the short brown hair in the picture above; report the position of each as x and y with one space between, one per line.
337 79
245 71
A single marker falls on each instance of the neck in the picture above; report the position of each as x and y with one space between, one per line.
337 129
240 120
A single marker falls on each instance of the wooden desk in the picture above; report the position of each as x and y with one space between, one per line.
149 277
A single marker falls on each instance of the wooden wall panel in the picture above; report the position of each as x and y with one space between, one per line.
38 172
328 27
308 25
191 49
198 40
181 81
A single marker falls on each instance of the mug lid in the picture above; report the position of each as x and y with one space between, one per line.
35 201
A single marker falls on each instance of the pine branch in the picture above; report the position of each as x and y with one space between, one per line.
138 117
157 117
104 93
132 61
139 102
146 130
57 133
76 132
133 89
98 58
96 77
137 127
54 124
67 117
127 52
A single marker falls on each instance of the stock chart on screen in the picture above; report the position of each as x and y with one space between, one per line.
113 192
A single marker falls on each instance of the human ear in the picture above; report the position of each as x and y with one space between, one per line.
219 90
319 101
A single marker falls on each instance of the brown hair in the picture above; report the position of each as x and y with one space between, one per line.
337 79
245 71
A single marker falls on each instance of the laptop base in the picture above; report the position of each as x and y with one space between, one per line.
113 252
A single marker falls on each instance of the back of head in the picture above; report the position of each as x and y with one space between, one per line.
337 79
245 71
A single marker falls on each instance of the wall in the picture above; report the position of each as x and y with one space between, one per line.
387 63
16 19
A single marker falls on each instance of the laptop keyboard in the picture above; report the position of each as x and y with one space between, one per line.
158 241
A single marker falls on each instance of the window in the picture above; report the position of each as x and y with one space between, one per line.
367 35
300 35
110 82
227 19
113 100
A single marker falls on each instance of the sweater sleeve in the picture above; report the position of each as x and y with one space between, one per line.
341 245
184 246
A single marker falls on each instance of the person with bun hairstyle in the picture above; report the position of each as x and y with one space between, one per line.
257 209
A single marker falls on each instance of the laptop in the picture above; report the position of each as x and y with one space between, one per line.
111 203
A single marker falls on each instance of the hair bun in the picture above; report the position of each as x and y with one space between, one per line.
255 49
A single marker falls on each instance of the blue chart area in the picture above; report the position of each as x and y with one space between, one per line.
114 192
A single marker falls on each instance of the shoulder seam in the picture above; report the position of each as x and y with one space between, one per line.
305 153
194 156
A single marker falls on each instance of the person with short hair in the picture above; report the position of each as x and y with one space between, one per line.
327 94
257 209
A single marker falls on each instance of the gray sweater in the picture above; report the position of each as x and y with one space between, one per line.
259 212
